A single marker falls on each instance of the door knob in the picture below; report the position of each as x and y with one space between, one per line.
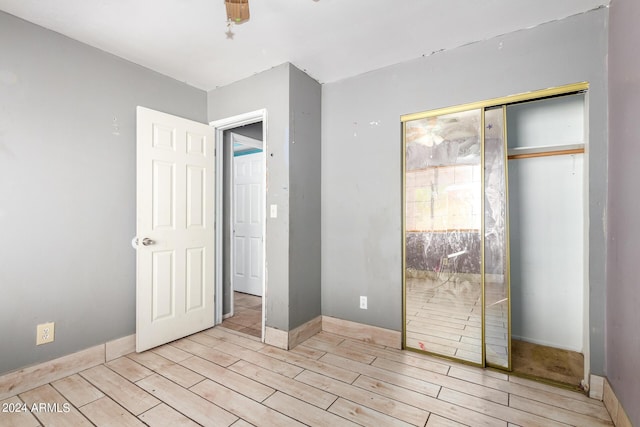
147 241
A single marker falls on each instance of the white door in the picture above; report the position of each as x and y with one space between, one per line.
248 182
175 228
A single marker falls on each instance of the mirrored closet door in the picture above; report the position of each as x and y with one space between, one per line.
443 255
497 324
456 243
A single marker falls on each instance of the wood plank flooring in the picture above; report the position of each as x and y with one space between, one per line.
221 377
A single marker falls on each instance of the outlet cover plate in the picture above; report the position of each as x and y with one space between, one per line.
363 303
45 333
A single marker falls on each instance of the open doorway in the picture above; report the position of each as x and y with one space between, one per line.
240 221
243 224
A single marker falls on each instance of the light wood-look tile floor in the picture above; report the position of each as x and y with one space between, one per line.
220 377
247 314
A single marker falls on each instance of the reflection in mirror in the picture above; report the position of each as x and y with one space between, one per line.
496 280
443 281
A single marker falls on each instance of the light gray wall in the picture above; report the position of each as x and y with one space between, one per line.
304 199
361 155
292 149
268 90
67 188
623 239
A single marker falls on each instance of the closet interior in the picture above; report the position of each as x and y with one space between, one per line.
493 233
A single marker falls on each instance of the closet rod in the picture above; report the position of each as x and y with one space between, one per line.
545 153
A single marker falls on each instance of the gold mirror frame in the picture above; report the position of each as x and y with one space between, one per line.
482 106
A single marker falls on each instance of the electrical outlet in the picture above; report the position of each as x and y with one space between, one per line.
363 303
45 333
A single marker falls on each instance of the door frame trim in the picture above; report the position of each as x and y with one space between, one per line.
219 127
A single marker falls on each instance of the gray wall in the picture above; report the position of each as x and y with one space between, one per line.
304 199
623 238
361 155
292 149
269 90
67 188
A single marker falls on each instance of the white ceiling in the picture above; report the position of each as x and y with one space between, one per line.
329 39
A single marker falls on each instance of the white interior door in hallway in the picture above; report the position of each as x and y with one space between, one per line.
175 228
248 185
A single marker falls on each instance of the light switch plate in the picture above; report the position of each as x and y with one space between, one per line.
274 211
